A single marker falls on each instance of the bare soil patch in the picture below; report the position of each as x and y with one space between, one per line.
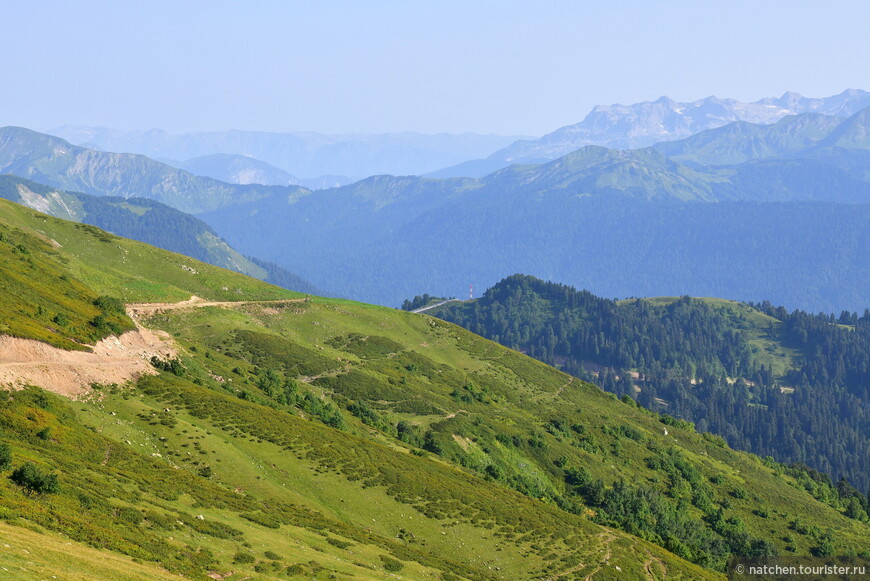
71 373
113 360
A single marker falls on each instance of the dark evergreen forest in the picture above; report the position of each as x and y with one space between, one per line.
790 385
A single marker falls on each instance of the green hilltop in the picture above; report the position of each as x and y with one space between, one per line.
301 436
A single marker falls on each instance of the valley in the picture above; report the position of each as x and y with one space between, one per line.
169 417
302 435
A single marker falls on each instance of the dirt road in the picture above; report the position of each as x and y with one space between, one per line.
71 373
113 360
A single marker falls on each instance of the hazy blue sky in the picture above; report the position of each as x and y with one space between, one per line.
383 66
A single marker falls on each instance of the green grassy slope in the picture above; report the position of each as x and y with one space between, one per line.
502 415
776 383
60 558
329 438
43 301
147 221
129 270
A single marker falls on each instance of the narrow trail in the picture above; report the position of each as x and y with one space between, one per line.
606 538
562 389
652 575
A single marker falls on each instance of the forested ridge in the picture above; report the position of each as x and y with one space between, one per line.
790 385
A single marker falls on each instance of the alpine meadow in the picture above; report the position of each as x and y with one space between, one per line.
435 291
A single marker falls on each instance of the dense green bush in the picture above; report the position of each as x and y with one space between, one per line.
5 457
243 558
31 478
391 564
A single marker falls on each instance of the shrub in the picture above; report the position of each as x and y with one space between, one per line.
31 478
5 457
130 515
109 304
174 366
391 564
261 518
494 471
243 558
338 543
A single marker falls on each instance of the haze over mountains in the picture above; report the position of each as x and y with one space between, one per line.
273 434
55 162
726 212
246 170
787 223
304 155
643 124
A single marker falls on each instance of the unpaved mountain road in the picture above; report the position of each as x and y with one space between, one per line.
136 310
71 373
424 309
113 360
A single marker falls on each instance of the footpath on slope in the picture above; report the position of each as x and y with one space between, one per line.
113 360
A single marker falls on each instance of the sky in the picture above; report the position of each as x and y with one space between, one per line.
342 66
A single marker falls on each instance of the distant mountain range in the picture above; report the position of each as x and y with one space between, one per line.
305 155
147 221
647 123
245 170
749 211
793 228
238 169
53 161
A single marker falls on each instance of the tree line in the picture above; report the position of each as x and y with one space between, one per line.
699 360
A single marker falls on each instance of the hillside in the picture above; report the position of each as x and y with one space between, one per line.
325 437
784 384
51 160
238 169
146 221
662 220
740 142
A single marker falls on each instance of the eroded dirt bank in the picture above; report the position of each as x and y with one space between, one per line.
70 373
114 359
